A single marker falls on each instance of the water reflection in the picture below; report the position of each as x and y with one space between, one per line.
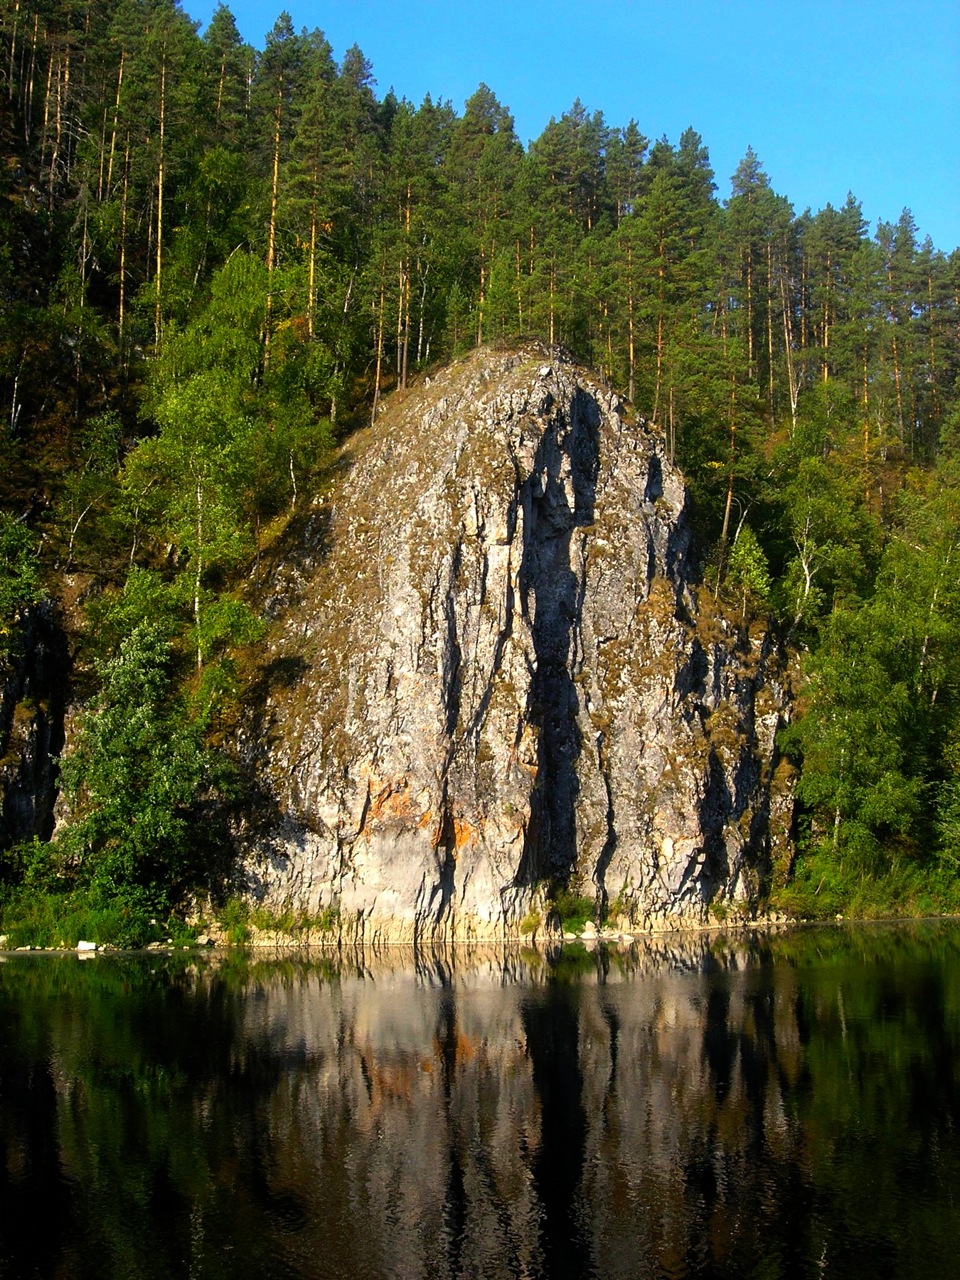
779 1106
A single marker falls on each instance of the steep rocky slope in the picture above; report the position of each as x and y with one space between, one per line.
492 674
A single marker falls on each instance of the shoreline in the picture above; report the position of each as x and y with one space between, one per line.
285 947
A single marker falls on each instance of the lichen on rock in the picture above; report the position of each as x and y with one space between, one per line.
497 679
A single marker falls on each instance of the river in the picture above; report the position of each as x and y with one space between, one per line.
751 1106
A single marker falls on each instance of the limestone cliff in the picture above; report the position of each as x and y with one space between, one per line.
491 673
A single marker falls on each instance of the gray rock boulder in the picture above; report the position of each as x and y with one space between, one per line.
492 673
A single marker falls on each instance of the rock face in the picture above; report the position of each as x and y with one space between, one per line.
492 674
32 698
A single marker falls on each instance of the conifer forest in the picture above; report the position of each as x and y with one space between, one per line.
216 262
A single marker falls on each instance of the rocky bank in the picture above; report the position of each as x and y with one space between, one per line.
492 673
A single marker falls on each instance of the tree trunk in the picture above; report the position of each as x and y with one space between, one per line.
272 230
62 117
312 266
609 327
932 348
113 134
793 382
398 339
103 157
28 102
803 317
748 258
770 382
198 573
45 132
405 298
659 378
725 531
423 309
825 332
160 174
481 301
123 241
220 84
519 292
553 267
13 47
376 380
897 383
631 340
62 86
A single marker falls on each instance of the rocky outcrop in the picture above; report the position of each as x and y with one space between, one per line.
492 674
32 698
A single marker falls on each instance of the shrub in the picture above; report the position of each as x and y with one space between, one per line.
530 922
574 910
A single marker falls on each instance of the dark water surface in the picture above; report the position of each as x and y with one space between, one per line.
755 1107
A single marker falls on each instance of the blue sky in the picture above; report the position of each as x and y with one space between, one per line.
832 96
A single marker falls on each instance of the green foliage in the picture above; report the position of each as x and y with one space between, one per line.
859 768
530 922
48 918
239 919
948 809
146 599
881 717
293 923
228 622
137 782
833 543
27 864
748 568
234 918
20 582
897 886
572 909
87 511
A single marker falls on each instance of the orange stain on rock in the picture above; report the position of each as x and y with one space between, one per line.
463 833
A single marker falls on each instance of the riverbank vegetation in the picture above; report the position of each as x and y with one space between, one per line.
215 261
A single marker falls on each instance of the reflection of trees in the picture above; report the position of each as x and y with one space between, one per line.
142 1113
697 1110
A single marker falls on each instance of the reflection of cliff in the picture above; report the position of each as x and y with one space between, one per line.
692 1109
653 1117
548 1130
412 1127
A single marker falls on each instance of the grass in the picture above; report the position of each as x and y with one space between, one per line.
241 921
824 886
32 918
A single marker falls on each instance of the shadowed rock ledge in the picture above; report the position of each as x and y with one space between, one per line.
491 673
